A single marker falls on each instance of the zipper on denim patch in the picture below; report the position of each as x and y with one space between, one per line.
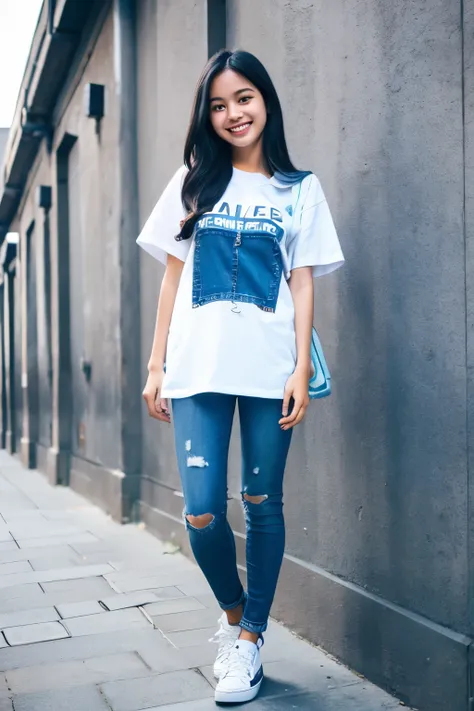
235 262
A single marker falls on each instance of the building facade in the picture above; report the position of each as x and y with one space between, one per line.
377 99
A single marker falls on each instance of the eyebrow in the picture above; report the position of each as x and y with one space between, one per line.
240 91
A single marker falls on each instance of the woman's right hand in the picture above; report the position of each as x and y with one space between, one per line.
157 406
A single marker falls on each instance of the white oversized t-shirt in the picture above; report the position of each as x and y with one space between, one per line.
232 329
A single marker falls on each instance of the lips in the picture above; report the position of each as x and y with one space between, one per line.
241 129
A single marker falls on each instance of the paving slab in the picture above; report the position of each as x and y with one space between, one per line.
22 516
131 584
56 559
82 698
155 565
194 587
146 562
80 609
168 658
41 529
189 579
16 503
47 576
89 588
5 535
110 621
98 553
131 694
14 553
124 600
115 547
43 541
65 594
168 607
31 591
198 655
208 601
8 546
85 512
28 617
192 638
94 670
182 621
29 634
171 592
20 566
62 650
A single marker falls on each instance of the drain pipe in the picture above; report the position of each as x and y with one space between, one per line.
130 361
51 9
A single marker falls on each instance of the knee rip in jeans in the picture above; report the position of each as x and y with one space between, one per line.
200 522
255 499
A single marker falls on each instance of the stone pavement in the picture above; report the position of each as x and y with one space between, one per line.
95 616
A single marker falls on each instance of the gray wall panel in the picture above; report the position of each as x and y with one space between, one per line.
95 288
172 49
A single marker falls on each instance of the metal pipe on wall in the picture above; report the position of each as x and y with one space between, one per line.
126 96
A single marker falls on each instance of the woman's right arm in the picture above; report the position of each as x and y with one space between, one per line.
158 406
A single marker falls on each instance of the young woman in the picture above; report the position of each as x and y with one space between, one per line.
234 325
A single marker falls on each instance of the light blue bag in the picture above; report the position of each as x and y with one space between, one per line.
320 382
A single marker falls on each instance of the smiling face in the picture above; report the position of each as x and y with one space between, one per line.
237 110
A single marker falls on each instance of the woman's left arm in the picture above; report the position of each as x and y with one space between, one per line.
302 291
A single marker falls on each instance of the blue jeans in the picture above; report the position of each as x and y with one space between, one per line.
203 426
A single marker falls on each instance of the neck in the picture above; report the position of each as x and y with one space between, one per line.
250 159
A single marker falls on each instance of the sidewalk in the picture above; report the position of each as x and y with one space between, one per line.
99 617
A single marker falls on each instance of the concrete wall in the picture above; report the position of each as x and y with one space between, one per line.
94 262
91 275
33 366
94 219
172 49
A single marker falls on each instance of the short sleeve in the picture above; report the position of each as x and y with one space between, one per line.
159 231
314 242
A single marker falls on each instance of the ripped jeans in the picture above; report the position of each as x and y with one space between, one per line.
203 425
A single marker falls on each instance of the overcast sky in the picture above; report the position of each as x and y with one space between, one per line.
18 20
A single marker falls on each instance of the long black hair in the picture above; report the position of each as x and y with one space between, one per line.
209 158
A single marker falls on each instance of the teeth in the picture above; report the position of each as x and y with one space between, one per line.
240 128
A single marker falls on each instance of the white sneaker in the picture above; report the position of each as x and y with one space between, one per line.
244 674
226 636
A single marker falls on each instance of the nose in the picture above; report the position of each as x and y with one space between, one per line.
235 112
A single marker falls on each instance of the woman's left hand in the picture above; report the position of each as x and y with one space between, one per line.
296 388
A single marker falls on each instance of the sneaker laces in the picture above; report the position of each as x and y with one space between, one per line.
240 663
225 638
